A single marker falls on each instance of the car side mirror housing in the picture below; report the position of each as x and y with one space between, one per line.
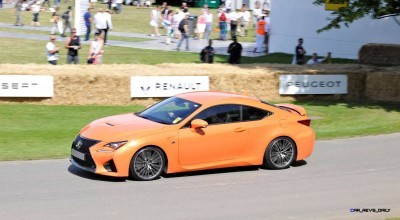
198 123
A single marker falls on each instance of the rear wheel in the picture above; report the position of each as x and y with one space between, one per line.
280 153
147 164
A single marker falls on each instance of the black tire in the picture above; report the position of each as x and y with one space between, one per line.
147 164
280 153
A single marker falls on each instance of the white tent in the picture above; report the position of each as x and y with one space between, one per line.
292 19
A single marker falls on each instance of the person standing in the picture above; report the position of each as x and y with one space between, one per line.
244 21
207 54
154 18
99 21
299 53
222 24
260 35
118 7
18 11
88 22
35 8
93 3
169 25
164 6
184 29
108 23
235 51
73 44
46 1
257 11
184 7
201 24
57 23
52 51
315 60
165 11
176 20
209 21
234 19
67 17
110 3
96 49
267 30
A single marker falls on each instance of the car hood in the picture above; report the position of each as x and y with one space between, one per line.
120 127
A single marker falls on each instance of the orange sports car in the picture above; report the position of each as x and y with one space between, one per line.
195 131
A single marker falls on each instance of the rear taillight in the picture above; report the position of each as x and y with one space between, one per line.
305 122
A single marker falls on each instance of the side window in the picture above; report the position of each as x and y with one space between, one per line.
252 114
220 114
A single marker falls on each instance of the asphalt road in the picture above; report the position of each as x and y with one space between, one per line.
340 175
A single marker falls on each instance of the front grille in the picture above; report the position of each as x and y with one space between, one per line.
88 162
82 145
85 144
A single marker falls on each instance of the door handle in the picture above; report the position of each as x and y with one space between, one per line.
240 129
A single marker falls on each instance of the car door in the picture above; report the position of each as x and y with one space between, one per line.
222 139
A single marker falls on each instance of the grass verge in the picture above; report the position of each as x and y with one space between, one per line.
37 131
20 51
43 132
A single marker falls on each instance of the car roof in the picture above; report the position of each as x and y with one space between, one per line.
215 97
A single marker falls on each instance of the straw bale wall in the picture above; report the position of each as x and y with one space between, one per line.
110 84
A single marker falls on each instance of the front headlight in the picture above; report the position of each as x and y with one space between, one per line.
115 145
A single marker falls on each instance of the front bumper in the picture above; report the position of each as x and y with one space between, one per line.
92 170
95 159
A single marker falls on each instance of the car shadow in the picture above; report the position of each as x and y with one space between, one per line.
299 163
213 171
294 165
92 176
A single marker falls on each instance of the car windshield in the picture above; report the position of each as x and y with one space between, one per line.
170 111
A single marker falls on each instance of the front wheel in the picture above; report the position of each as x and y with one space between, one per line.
280 153
147 164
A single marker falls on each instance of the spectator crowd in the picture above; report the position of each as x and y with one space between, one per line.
177 24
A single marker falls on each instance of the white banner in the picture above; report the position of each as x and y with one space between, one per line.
81 7
312 84
167 86
26 86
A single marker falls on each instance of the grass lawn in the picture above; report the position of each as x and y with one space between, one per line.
20 51
132 19
38 132
17 51
339 120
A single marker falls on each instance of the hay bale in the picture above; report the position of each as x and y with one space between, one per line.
110 84
380 54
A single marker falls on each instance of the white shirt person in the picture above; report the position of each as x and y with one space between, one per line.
52 51
315 60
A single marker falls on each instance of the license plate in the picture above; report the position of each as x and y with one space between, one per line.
78 154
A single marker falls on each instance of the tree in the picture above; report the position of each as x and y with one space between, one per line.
357 9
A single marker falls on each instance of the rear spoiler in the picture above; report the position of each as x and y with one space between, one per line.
293 108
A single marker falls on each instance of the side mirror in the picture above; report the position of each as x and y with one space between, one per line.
198 123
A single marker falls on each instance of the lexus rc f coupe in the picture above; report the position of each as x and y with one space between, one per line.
195 131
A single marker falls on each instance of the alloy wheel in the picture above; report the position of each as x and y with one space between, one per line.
148 164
